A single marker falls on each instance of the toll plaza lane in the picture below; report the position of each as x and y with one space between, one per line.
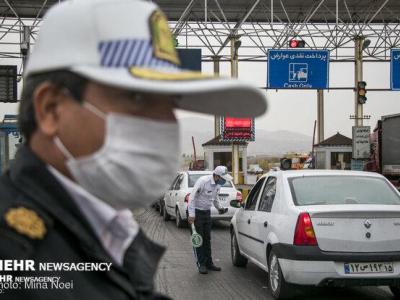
178 276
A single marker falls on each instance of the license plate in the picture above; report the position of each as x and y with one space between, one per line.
365 268
223 199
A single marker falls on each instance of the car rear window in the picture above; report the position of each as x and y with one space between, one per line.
328 190
194 177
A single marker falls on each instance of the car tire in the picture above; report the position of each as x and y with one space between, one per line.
277 285
396 291
238 259
178 220
165 214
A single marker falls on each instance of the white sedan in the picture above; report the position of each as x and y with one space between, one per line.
320 228
175 200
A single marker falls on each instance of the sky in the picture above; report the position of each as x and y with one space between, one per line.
296 110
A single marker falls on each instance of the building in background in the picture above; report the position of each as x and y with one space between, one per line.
10 140
218 152
334 153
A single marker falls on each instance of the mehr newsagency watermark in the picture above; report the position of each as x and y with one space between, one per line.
10 282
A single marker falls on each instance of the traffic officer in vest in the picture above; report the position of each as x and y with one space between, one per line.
204 194
101 138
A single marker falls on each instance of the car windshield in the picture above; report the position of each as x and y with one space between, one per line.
328 190
194 177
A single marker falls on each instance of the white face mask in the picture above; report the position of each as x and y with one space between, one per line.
135 165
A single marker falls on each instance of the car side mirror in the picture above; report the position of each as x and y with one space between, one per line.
236 203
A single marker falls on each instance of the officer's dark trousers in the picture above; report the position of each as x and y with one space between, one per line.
203 227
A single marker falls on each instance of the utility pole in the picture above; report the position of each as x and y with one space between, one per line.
217 119
235 44
358 76
320 115
25 43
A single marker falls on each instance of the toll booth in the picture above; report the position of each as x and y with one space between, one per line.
217 152
334 153
10 140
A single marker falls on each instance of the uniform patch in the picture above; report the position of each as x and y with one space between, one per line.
163 42
26 222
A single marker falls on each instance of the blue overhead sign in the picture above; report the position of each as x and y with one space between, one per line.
298 69
395 69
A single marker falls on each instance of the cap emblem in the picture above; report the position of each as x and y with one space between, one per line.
163 42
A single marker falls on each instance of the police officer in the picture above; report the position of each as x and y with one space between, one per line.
204 194
101 138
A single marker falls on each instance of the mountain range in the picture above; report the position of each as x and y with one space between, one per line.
267 142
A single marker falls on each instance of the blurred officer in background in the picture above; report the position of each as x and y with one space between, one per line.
97 113
204 194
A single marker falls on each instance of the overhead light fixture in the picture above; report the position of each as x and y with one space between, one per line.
238 43
366 44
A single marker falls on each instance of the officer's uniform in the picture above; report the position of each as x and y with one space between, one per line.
40 221
204 194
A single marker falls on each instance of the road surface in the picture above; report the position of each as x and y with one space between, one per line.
178 276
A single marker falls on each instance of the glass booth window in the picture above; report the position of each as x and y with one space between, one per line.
225 159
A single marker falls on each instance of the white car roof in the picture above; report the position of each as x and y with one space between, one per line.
198 172
300 173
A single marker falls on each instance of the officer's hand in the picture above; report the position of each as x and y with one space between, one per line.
191 220
223 211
